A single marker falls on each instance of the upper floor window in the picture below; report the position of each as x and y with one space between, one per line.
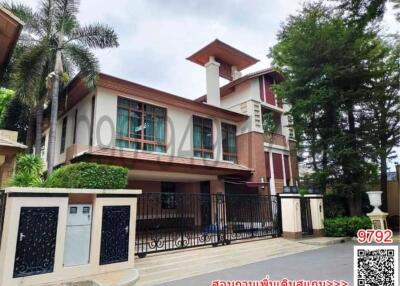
140 126
229 142
63 134
202 137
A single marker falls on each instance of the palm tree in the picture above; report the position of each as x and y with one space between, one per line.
56 45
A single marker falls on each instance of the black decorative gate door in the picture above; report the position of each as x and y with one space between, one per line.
170 221
306 222
249 216
37 233
115 234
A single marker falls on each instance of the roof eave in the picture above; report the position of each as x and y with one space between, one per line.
121 85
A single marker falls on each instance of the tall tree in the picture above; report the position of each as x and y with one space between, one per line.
6 95
326 62
57 44
381 112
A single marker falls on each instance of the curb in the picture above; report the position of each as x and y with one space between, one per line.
329 241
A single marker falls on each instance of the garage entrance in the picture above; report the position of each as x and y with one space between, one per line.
170 221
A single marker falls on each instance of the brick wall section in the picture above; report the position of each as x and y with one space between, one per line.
250 148
279 185
293 160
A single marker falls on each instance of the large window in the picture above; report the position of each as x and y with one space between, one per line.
202 137
63 134
229 142
140 126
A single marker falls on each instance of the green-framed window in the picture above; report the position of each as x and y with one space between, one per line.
229 142
141 126
202 137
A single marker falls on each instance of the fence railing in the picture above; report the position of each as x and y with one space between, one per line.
2 211
168 221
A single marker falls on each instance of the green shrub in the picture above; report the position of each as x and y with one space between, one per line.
22 179
346 226
88 176
29 170
29 163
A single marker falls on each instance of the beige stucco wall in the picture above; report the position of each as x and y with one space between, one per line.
246 91
84 108
61 273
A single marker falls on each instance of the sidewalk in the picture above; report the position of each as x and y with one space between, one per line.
164 267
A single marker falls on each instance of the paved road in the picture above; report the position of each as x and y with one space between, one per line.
332 262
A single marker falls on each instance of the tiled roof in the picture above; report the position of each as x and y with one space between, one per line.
146 156
10 143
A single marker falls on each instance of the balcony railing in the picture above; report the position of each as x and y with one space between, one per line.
275 139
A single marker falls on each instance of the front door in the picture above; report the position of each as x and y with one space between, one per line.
115 234
37 233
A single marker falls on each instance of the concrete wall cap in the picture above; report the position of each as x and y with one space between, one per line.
289 195
39 190
314 195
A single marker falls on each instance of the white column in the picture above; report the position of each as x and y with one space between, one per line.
212 81
272 179
284 169
235 73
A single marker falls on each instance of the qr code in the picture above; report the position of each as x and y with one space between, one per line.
376 266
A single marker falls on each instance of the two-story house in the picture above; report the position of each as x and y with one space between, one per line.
172 144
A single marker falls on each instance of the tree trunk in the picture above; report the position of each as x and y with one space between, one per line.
29 135
355 205
58 70
384 182
39 120
53 125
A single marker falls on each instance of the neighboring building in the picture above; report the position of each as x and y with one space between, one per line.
10 29
9 148
169 143
393 198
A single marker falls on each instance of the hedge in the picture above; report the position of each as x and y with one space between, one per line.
346 226
88 176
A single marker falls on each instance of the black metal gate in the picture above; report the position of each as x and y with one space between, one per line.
115 234
169 221
306 222
36 242
3 199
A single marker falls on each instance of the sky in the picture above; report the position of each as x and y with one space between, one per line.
156 36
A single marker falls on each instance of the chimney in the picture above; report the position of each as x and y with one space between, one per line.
212 82
220 60
235 73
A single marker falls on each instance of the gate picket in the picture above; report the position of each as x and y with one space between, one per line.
170 221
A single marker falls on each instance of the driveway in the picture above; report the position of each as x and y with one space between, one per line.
160 268
331 263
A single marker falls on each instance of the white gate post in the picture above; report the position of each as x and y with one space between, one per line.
291 216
